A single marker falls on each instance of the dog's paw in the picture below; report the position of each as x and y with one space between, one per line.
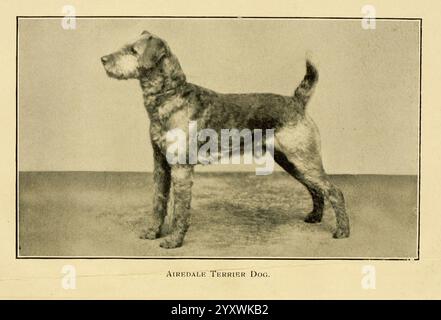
150 234
171 242
313 218
341 233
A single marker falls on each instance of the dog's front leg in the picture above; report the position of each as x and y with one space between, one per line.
161 191
182 181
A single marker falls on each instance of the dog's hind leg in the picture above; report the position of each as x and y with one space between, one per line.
317 195
335 197
161 180
297 150
182 181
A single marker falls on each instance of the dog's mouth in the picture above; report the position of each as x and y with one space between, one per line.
106 62
114 72
111 74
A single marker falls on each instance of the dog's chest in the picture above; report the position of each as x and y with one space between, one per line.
169 107
168 115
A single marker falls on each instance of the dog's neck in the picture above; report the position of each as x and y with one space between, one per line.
162 83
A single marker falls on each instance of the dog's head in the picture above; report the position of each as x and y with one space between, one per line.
139 58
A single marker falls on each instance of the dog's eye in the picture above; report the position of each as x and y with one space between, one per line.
133 50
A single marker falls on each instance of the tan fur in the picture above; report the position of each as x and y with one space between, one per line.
172 102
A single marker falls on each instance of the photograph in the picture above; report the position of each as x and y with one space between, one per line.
218 138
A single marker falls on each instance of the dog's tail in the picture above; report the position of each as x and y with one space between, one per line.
304 91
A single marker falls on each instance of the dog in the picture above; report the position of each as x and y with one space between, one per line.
172 102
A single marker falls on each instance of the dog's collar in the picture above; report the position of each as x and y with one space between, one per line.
169 92
152 101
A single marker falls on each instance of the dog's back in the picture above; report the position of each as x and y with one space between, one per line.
250 110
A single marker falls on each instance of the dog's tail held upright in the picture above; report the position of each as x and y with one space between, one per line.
304 91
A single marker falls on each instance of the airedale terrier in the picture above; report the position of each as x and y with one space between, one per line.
172 102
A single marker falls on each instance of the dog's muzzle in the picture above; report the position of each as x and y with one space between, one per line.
107 64
105 59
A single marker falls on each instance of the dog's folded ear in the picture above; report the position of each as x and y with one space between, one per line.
145 33
154 51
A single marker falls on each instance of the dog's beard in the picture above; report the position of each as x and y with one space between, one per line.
123 67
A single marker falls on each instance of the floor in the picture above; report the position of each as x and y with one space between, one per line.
233 215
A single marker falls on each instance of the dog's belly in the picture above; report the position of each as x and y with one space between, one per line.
208 144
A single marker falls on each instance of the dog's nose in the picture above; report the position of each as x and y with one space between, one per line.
104 59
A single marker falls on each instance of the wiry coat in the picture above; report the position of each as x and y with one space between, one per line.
172 102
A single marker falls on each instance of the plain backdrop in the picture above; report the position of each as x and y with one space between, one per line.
366 104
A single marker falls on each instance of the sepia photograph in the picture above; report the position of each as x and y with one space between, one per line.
218 138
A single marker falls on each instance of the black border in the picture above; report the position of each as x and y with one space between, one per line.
218 258
274 309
